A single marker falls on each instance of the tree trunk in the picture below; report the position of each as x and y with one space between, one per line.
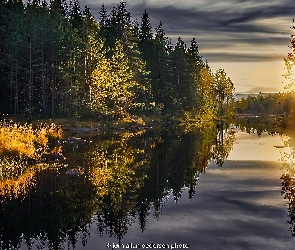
30 85
16 91
52 82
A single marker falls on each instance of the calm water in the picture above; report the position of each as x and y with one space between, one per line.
196 190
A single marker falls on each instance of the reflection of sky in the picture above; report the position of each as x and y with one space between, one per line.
237 206
251 147
254 33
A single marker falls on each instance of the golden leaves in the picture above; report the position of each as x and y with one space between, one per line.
21 147
24 141
18 187
113 85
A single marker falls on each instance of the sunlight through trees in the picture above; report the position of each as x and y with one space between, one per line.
114 68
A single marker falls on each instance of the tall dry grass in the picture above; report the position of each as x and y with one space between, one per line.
21 149
22 146
24 141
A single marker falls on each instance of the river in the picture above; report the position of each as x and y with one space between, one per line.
161 188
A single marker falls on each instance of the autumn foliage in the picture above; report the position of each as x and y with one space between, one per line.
21 149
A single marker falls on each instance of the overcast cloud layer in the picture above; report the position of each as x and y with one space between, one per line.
226 30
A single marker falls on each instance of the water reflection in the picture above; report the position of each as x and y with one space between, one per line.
288 178
107 180
223 143
25 151
274 126
260 124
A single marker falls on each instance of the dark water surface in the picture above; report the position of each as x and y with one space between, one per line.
195 190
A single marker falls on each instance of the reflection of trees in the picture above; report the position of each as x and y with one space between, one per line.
259 125
171 160
126 176
20 186
177 161
117 177
51 215
61 207
288 181
22 155
223 143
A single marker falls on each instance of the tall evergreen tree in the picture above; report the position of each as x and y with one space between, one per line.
193 70
145 38
178 71
15 45
160 72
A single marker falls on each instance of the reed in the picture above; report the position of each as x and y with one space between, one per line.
22 146
24 141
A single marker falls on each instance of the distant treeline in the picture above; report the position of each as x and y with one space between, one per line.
276 104
57 60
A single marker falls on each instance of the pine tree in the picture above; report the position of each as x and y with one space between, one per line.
193 71
75 15
160 73
14 54
91 44
5 68
145 38
179 78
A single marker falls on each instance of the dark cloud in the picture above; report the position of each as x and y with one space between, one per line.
239 57
219 24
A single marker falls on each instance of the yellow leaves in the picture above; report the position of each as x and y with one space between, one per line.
100 178
23 140
18 187
21 147
101 173
113 177
113 84
52 131
198 120
42 138
18 141
113 172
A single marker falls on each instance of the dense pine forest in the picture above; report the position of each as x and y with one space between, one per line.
59 61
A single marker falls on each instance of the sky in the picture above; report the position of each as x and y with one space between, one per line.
249 39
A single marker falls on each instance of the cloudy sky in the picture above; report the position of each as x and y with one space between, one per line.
248 38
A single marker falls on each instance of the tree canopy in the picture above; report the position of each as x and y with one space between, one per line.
113 67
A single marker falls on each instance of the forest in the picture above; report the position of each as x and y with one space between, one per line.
266 104
59 61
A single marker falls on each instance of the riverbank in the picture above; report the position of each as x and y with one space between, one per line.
93 125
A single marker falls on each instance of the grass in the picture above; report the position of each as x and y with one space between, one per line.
22 146
24 141
21 149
